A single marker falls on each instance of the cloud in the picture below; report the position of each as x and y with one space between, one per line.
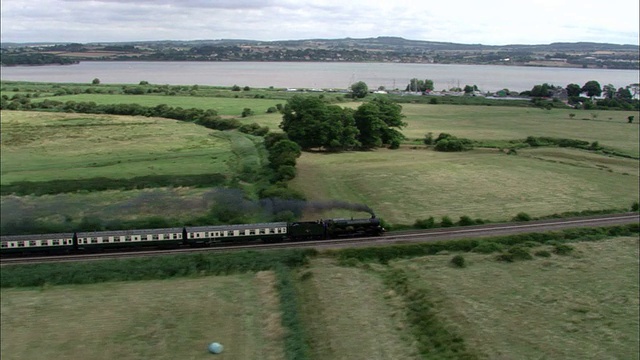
489 22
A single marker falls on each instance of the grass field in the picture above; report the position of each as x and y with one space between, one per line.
408 184
171 203
40 146
170 319
224 106
609 128
348 316
581 306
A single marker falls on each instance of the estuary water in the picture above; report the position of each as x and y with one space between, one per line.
317 74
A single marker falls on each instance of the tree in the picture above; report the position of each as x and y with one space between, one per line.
376 122
311 123
420 85
359 90
573 90
96 81
609 91
370 125
468 89
592 88
284 153
624 94
543 90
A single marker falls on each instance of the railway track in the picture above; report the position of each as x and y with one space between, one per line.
413 236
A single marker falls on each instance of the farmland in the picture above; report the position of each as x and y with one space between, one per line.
574 305
162 319
401 185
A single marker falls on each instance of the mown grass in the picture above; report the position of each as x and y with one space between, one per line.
47 146
584 305
161 319
408 184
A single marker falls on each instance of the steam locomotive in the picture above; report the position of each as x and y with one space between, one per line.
78 242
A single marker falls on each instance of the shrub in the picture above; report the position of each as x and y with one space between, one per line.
522 217
428 139
487 247
634 206
466 221
505 257
542 253
458 261
562 249
446 222
425 223
247 112
520 253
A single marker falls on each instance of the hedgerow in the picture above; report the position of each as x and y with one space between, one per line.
434 339
385 254
150 268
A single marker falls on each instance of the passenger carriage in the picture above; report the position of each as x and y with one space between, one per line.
45 243
207 235
168 237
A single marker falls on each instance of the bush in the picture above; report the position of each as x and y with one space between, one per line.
505 257
520 253
634 206
522 217
247 112
562 249
446 222
542 253
466 221
487 247
458 261
425 223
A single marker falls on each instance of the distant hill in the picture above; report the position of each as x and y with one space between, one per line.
378 49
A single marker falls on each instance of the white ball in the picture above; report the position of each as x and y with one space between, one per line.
215 348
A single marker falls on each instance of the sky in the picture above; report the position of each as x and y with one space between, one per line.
488 22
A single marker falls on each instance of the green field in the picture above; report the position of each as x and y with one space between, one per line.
166 319
348 314
408 184
609 128
39 146
582 306
224 106
401 186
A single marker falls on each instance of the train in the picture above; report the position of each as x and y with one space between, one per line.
79 242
